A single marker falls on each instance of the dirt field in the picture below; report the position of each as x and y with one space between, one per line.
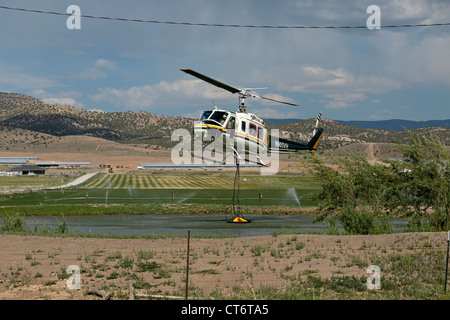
117 154
33 267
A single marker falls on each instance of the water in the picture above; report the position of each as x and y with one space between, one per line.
292 194
179 224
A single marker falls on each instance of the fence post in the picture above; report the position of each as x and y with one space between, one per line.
187 263
446 263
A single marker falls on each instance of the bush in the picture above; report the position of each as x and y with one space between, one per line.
418 223
13 223
364 222
356 222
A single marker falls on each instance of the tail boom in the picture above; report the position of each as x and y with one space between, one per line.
285 145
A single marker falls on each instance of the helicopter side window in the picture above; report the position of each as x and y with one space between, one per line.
252 130
205 115
260 133
244 126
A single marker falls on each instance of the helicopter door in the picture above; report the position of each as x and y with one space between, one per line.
231 123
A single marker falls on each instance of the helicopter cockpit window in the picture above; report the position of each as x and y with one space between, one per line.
205 115
219 116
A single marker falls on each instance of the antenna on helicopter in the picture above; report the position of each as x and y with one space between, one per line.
243 93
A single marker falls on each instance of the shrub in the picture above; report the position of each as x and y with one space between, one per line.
356 222
364 222
13 223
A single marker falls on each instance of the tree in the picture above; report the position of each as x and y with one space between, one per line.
417 185
422 179
350 181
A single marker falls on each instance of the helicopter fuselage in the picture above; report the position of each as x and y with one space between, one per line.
237 129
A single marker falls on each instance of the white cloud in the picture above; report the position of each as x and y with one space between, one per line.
316 79
94 72
274 113
63 101
422 11
97 110
343 100
340 87
428 61
106 64
63 97
43 94
162 94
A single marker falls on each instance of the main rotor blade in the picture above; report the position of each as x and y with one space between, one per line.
284 102
211 81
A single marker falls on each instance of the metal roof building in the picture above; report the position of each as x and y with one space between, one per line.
57 164
197 166
28 169
16 160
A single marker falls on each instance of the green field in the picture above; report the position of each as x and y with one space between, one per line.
31 181
195 182
145 193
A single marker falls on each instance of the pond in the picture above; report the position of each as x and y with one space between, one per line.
201 224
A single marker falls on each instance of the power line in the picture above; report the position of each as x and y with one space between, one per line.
223 25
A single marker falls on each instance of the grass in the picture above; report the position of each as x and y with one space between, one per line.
201 181
31 181
164 193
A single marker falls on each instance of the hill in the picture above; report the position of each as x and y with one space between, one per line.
393 124
398 124
337 134
29 124
24 112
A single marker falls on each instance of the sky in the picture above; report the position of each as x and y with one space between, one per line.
347 74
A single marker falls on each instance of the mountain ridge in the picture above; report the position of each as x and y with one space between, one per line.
389 124
18 111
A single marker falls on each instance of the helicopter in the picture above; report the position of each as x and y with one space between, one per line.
246 129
